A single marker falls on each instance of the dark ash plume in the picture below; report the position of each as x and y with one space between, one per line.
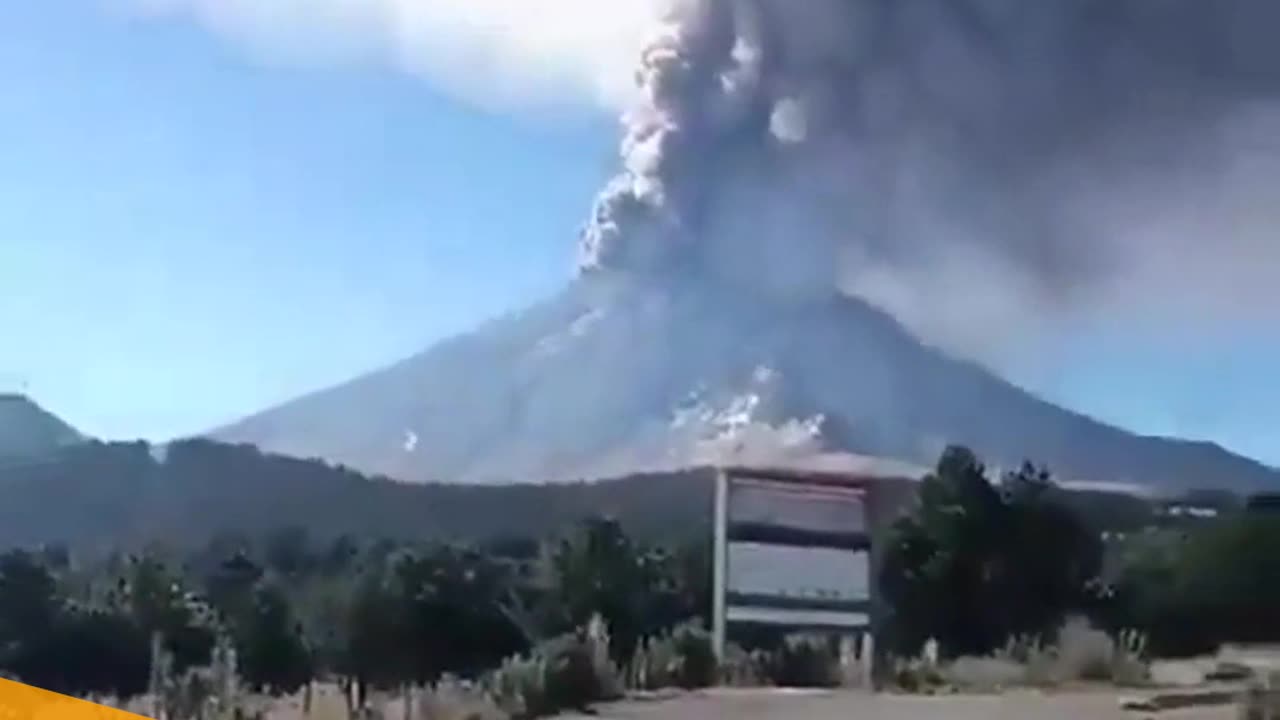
893 148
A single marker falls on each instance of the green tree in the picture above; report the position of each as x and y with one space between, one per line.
273 655
158 601
975 564
1203 586
100 651
29 602
453 601
375 653
941 560
1051 559
598 569
30 618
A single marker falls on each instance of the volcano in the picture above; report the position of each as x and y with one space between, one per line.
607 378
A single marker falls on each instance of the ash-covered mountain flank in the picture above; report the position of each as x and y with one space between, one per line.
967 165
602 380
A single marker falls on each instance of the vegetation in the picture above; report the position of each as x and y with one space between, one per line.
561 618
977 564
377 615
99 497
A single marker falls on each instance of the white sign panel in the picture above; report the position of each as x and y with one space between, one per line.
818 509
800 573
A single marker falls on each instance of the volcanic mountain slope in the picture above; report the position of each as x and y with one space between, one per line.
27 430
599 380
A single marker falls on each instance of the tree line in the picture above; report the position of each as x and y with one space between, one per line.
99 497
376 615
978 561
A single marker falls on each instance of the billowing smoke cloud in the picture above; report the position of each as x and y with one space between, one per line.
987 170
979 167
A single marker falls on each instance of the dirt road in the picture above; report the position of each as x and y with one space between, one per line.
783 705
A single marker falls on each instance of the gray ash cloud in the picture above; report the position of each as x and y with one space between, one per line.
1052 153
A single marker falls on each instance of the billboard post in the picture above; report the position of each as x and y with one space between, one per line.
719 561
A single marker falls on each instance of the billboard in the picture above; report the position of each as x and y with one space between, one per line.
792 551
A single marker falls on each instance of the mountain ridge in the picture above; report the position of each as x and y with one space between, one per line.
28 431
605 379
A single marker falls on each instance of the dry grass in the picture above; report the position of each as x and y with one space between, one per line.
1085 654
1081 655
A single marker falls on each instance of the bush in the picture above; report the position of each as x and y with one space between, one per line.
519 687
1081 653
740 668
804 661
684 658
1084 653
698 666
571 672
571 681
917 676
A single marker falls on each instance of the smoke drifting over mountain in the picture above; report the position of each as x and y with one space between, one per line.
965 163
983 169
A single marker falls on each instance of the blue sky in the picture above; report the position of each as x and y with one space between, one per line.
187 235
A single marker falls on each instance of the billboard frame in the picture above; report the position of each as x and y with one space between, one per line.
863 484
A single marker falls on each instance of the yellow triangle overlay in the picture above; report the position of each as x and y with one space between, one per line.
23 702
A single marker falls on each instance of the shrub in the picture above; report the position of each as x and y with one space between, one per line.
1081 653
917 676
740 668
653 664
683 658
698 667
1085 653
571 681
804 661
519 687
570 672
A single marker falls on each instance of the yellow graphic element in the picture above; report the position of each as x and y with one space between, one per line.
23 702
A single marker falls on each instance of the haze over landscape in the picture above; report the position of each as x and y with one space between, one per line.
823 237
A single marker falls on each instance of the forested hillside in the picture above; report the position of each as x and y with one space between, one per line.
129 494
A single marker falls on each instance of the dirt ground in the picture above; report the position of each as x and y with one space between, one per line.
783 705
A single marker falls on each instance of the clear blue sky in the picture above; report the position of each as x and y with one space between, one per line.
187 236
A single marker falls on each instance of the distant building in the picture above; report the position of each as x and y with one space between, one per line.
1191 512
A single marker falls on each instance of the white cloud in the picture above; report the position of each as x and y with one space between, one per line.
504 51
